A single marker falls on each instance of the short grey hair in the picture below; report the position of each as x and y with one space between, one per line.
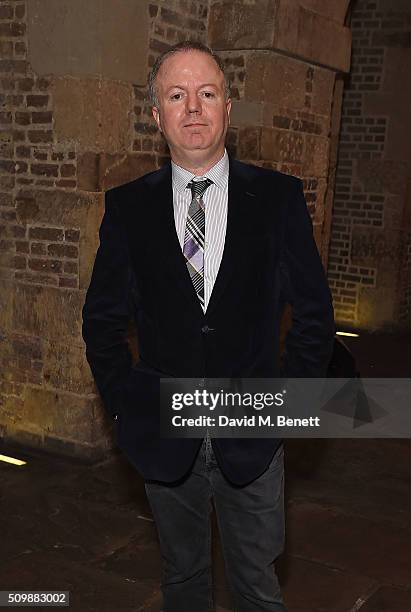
186 45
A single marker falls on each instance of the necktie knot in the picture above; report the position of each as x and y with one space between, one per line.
198 187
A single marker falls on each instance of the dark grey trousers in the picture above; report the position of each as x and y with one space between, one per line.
251 525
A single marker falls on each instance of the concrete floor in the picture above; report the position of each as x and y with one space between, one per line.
88 529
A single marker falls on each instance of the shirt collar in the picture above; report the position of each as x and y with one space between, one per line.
218 174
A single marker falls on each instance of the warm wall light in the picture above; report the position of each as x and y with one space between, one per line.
347 334
12 460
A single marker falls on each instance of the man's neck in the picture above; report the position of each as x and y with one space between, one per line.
198 167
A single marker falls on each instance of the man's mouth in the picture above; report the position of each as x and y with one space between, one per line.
195 125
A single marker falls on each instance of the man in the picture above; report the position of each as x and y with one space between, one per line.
204 254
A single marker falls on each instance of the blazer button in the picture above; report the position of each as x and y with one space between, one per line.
206 329
115 417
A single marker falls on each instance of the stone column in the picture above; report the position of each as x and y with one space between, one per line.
282 58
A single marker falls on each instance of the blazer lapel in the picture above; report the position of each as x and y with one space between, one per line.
240 202
171 252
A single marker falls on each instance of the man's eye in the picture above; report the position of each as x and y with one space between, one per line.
208 94
176 96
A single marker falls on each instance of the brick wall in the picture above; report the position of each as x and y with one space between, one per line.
30 159
405 285
51 203
368 251
40 254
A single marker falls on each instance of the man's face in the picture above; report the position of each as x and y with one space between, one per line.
193 111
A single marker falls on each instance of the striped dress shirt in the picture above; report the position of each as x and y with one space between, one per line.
215 201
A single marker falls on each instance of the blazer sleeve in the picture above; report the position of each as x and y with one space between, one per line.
107 309
310 341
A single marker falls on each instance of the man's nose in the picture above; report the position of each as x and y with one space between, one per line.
193 103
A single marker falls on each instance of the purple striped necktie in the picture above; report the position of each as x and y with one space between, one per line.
193 248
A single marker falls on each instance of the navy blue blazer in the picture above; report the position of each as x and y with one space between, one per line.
270 259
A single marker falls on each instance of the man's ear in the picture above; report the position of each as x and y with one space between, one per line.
156 115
